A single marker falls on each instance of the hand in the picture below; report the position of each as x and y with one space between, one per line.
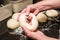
40 6
30 9
34 35
37 35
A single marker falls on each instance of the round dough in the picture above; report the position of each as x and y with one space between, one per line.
41 17
24 23
15 16
12 24
52 13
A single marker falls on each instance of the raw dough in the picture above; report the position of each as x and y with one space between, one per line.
12 24
52 13
41 17
24 23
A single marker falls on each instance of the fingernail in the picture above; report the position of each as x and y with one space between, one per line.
29 18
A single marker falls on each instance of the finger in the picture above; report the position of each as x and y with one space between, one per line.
18 17
24 10
27 11
36 12
29 18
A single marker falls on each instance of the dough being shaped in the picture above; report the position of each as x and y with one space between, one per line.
52 13
12 24
41 17
24 23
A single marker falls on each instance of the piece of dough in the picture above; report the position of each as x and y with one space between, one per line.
24 23
15 16
12 24
52 13
41 17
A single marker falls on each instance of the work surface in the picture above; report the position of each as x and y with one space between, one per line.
52 32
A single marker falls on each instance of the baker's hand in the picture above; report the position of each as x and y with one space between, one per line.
36 35
42 5
30 9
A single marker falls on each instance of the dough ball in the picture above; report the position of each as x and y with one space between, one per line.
41 17
52 13
15 16
12 24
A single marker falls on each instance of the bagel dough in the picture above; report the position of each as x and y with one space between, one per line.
12 24
41 17
52 13
15 16
24 23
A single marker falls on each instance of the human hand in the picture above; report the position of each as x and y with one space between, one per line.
36 35
30 9
40 6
